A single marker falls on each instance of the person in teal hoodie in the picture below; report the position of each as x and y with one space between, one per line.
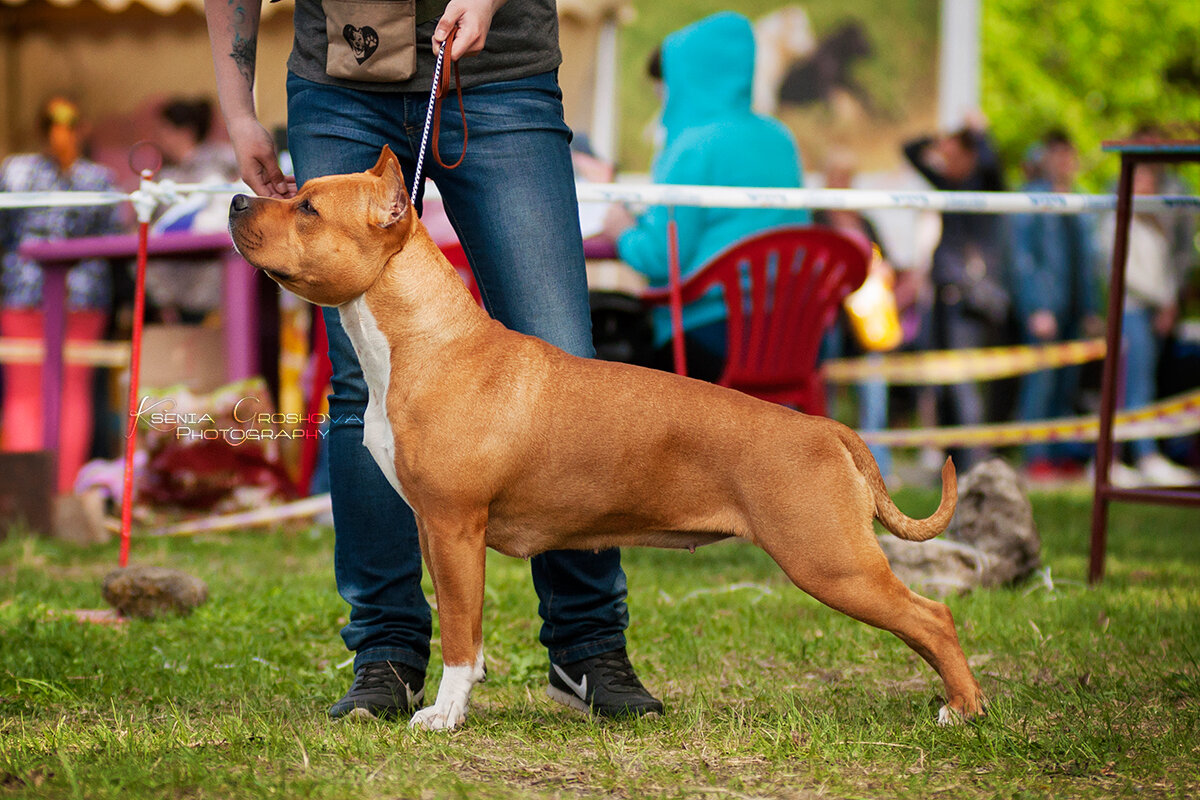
712 138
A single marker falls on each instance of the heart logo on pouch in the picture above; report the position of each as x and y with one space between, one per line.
363 41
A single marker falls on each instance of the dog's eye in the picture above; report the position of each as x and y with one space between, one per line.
307 207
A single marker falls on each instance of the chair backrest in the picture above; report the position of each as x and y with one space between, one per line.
782 289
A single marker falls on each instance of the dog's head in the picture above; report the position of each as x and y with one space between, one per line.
330 242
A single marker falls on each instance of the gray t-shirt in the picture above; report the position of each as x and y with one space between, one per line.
522 41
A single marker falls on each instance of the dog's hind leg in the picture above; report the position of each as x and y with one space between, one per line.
850 573
454 554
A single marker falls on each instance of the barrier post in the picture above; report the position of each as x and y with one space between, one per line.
144 204
675 282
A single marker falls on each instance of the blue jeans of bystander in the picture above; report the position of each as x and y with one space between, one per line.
1139 365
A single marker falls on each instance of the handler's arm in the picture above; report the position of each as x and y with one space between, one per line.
233 36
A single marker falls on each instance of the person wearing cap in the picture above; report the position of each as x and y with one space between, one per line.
59 166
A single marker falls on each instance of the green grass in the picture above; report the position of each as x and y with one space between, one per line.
1094 692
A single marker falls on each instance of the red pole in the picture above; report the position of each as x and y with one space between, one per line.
135 363
675 282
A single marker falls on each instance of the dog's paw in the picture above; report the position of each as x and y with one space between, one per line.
970 711
948 716
439 718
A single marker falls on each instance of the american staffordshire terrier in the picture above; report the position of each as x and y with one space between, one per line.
497 439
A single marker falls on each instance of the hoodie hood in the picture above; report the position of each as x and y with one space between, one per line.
708 69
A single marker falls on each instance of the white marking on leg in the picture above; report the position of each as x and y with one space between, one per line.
453 697
948 716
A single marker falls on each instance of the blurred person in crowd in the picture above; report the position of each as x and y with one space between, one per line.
711 138
872 394
971 301
59 166
186 291
1152 286
1056 297
1179 225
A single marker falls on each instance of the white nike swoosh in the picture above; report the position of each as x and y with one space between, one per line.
580 689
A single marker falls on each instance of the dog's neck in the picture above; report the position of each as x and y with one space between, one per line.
419 301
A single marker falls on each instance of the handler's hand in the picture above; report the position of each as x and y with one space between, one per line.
257 160
473 19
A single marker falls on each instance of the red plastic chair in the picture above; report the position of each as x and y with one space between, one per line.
782 289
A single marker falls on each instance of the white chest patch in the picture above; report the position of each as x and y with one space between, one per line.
375 357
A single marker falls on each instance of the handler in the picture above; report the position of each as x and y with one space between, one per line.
354 84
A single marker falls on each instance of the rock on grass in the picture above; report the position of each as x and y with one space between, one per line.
150 592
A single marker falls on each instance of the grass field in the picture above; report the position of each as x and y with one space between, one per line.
1094 692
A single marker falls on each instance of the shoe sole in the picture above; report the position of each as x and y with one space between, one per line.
572 701
569 700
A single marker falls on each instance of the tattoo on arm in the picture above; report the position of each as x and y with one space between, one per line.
243 55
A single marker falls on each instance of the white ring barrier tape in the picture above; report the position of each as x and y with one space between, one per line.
60 199
861 199
711 197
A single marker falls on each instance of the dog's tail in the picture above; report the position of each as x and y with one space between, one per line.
895 520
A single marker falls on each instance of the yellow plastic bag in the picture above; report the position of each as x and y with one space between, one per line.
872 310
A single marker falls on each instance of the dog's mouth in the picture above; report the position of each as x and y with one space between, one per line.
246 241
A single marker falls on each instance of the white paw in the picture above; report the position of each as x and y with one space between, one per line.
948 716
439 718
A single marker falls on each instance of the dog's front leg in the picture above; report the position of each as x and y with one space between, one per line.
454 554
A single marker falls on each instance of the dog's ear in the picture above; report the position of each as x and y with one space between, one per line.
394 206
386 157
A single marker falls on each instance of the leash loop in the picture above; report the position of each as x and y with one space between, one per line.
433 120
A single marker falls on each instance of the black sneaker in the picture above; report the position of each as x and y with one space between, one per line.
381 690
604 685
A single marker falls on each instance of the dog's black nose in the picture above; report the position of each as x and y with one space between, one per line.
239 204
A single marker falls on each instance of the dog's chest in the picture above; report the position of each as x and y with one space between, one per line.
374 355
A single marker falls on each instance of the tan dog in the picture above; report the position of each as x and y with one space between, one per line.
497 439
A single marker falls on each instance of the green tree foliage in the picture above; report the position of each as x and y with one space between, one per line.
1095 68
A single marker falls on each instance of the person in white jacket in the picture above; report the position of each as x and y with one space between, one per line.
1152 285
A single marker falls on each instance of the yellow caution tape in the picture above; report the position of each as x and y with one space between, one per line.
941 367
90 353
1175 416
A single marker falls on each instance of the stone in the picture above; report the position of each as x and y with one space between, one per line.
151 592
938 567
994 515
992 540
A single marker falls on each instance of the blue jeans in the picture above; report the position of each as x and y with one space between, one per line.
955 328
1049 394
1140 366
513 204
